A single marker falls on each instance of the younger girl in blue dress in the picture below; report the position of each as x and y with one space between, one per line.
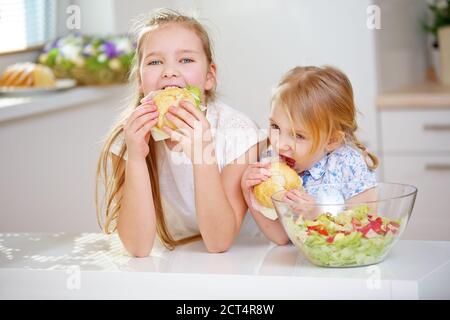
312 128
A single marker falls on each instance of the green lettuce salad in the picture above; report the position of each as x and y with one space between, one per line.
353 237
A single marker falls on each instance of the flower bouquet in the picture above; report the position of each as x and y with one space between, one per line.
90 60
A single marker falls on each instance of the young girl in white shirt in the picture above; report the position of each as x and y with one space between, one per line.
160 189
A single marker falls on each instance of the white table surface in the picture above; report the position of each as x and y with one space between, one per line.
95 266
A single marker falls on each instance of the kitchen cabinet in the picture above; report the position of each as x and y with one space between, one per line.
50 146
415 149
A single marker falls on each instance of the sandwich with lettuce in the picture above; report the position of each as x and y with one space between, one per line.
171 96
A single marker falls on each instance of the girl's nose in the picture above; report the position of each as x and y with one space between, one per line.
284 146
283 143
169 73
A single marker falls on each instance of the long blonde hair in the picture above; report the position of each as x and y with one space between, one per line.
113 183
321 100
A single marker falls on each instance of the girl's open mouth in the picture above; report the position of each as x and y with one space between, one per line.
289 161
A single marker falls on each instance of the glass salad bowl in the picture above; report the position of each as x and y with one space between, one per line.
332 233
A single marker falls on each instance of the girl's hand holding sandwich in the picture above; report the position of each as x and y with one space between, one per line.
254 175
137 129
193 131
302 203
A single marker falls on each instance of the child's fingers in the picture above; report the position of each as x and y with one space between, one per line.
145 129
257 176
136 114
178 122
291 196
260 170
307 197
183 115
289 201
139 111
301 195
142 120
295 191
252 183
294 205
175 135
299 200
299 204
195 112
260 165
148 103
135 122
258 173
148 97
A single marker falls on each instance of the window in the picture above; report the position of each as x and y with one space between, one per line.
26 23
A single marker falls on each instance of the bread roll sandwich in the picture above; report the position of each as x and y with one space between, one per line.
172 96
283 178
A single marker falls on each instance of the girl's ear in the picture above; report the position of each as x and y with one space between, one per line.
211 77
335 141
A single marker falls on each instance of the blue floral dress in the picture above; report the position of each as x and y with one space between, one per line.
338 176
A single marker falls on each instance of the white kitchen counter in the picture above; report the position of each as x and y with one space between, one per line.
95 266
12 107
424 96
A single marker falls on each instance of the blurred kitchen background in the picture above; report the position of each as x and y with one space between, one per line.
49 142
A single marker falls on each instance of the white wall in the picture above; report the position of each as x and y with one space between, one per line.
97 17
255 49
256 41
401 44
